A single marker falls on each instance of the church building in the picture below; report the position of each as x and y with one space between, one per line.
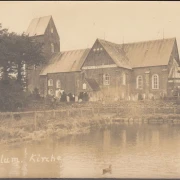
106 71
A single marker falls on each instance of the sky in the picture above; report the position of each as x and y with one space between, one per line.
79 24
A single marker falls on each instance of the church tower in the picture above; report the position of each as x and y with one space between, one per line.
42 30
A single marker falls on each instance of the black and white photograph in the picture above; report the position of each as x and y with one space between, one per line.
89 89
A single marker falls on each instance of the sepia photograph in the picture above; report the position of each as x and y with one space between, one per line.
89 89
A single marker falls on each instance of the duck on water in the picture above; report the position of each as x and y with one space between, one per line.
107 170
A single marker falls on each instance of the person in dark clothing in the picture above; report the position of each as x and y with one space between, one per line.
53 102
81 96
86 97
71 97
140 97
63 97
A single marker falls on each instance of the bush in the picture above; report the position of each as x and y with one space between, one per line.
12 96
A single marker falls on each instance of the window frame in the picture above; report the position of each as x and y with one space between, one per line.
84 86
155 86
58 84
50 82
106 79
52 48
52 30
124 78
138 84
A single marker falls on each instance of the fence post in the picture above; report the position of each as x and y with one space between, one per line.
135 110
54 114
12 116
116 110
67 111
93 111
98 111
81 112
174 110
35 119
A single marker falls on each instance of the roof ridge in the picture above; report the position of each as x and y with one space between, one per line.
155 40
106 41
75 50
42 17
136 41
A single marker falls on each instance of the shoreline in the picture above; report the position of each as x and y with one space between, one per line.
58 129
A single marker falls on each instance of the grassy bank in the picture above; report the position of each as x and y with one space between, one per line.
79 118
21 131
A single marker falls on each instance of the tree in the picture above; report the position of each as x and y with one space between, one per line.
12 97
17 53
6 55
26 53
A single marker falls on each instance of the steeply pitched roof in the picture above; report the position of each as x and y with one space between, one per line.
116 54
38 26
140 54
93 84
67 61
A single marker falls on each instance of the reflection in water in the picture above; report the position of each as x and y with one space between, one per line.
133 150
14 169
123 138
25 164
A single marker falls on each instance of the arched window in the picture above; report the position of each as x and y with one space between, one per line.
58 84
139 82
155 81
50 82
52 30
124 79
84 85
50 92
106 79
52 47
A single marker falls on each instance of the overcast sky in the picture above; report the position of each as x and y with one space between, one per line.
80 23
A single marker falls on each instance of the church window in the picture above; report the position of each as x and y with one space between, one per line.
84 85
106 79
52 47
124 79
52 30
155 81
139 82
50 82
58 84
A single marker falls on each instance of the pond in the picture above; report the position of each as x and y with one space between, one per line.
133 151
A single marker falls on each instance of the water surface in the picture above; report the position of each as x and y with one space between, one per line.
133 150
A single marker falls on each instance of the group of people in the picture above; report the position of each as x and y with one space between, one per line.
83 96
